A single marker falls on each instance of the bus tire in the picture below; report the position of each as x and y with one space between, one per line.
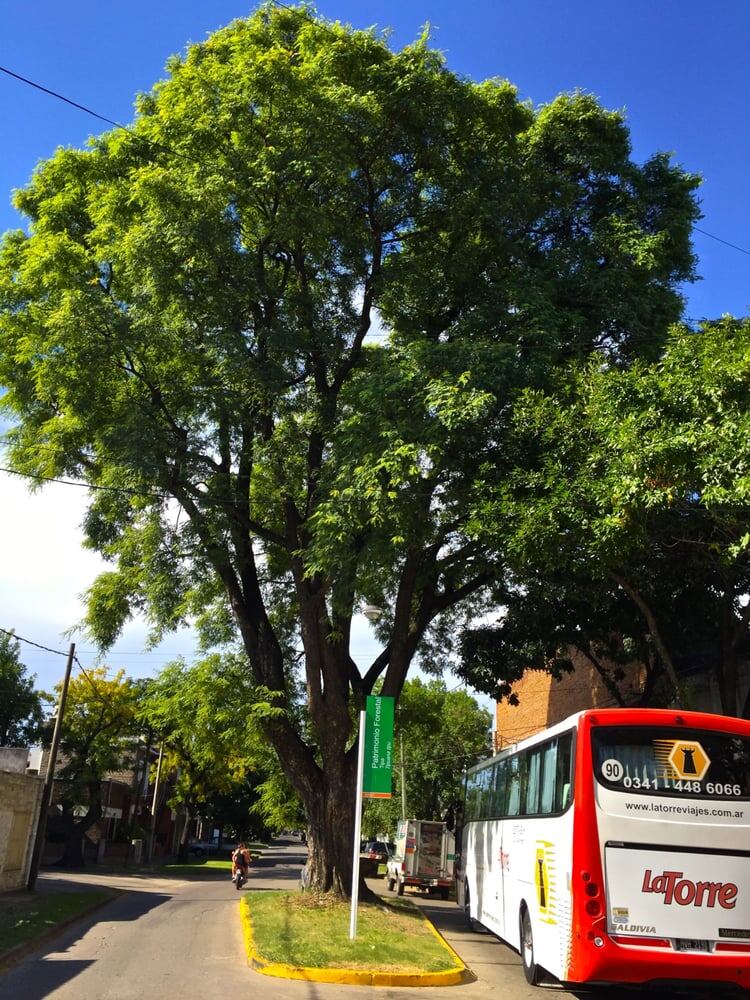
531 970
470 921
401 887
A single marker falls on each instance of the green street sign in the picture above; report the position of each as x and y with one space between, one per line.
376 778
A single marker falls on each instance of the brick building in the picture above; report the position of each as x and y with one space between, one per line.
544 701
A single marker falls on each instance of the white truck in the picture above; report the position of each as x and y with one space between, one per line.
424 857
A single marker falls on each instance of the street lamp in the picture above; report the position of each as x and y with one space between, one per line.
372 612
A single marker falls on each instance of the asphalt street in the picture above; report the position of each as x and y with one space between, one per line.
180 939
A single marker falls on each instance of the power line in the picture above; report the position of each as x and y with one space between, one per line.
102 698
203 499
720 240
89 111
61 97
90 486
157 145
31 642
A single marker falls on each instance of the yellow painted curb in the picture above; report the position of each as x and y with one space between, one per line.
353 977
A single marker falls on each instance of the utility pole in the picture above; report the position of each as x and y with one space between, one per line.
155 805
49 780
403 778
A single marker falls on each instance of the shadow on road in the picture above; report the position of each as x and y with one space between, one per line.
48 976
37 976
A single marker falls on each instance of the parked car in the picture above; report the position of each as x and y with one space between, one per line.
202 847
375 850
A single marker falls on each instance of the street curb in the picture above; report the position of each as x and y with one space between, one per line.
456 976
15 954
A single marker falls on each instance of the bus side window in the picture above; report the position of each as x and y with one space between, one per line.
531 798
513 787
549 778
487 791
472 795
564 775
498 800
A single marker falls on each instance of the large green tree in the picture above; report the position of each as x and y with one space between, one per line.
627 520
21 712
190 324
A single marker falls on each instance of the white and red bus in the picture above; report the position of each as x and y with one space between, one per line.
614 848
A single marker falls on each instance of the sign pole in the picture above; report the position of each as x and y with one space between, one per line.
357 827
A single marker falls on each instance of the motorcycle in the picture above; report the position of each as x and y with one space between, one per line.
239 878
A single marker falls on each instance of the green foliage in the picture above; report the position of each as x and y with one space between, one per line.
21 713
627 521
278 805
189 321
206 717
98 736
442 732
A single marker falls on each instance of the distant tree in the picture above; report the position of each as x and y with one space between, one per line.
627 522
203 714
21 711
279 806
188 322
98 737
235 811
442 732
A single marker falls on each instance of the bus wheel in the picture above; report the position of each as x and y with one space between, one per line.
531 970
471 923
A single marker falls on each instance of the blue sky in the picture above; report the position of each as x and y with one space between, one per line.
678 69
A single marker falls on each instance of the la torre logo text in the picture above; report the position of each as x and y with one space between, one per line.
685 892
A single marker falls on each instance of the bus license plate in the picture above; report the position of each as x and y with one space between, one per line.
690 944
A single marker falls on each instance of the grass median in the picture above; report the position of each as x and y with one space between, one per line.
305 930
201 865
26 919
198 865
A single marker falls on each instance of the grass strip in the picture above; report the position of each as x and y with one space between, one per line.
23 919
202 864
213 864
312 931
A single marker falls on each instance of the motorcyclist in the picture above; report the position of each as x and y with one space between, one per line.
240 860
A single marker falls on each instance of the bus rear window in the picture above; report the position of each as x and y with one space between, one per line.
671 761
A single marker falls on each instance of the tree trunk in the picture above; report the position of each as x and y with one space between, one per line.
330 846
728 678
182 850
653 628
74 834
